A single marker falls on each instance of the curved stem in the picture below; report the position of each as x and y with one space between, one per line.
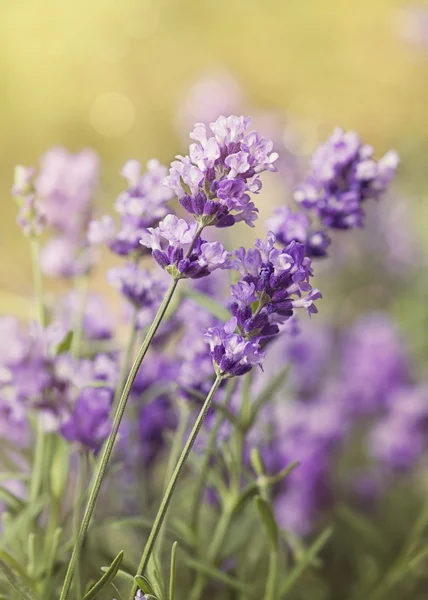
108 448
173 482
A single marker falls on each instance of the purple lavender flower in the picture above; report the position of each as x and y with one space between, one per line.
138 285
344 174
374 364
97 320
89 423
62 257
231 353
213 181
141 206
155 420
66 185
177 248
31 217
272 286
399 439
289 226
277 280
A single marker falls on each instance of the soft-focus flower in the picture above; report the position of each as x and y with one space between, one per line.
289 226
344 174
178 249
66 185
374 364
139 286
89 423
399 439
142 205
61 257
223 165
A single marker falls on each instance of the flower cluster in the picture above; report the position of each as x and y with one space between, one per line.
273 284
344 175
213 182
141 206
177 248
31 218
65 186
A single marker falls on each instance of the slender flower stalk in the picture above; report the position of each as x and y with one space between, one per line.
200 484
37 475
127 358
108 448
173 482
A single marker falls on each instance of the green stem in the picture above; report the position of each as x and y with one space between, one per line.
173 482
271 592
177 444
78 505
81 290
38 281
213 550
37 474
127 357
108 447
200 484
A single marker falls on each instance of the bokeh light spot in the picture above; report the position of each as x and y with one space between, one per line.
112 114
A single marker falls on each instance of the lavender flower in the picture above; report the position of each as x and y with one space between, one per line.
374 364
62 257
177 248
213 181
399 439
66 185
89 422
31 217
289 226
138 285
272 286
231 353
344 175
141 206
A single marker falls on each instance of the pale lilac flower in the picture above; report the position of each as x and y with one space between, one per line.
177 248
344 175
213 182
141 206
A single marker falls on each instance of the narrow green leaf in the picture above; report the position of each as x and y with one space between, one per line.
65 344
306 560
121 575
144 584
11 501
218 575
211 305
107 578
173 571
268 392
362 526
269 522
59 467
16 582
257 461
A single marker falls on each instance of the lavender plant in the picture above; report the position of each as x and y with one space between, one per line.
193 402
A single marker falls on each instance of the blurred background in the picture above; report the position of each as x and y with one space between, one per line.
129 78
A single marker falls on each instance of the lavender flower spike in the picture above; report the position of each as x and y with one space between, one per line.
344 175
177 248
231 353
213 182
